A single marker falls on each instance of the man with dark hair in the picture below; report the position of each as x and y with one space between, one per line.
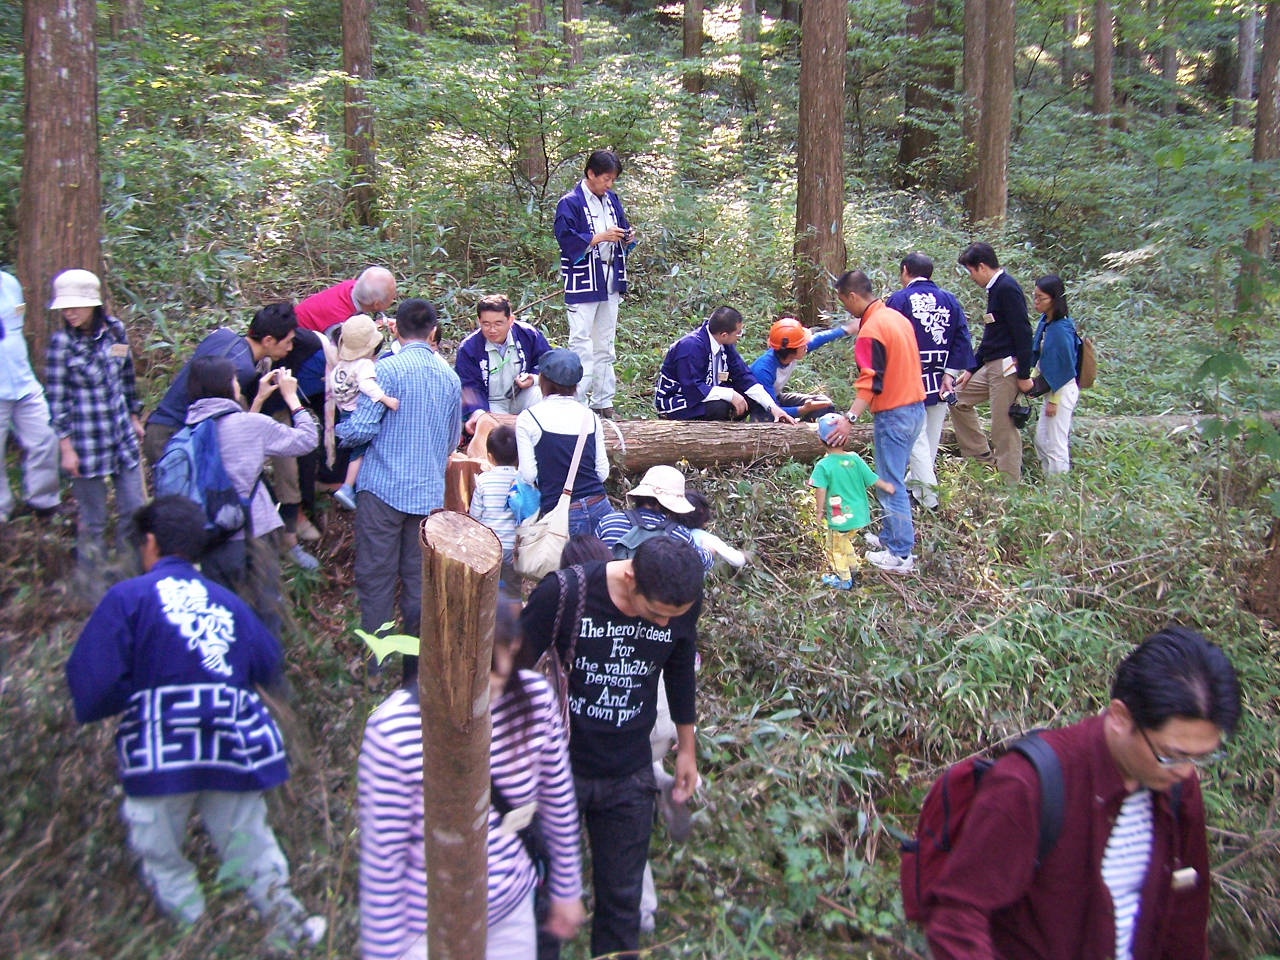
942 334
1001 369
402 477
182 659
498 362
622 623
270 338
890 385
371 293
704 378
1128 876
594 238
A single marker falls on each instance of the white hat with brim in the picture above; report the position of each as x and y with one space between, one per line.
76 288
666 485
360 337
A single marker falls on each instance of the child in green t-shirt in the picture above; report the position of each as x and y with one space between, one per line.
840 482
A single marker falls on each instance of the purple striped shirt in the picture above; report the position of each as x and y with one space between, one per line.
393 879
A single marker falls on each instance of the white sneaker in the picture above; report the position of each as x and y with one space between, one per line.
873 541
888 562
313 930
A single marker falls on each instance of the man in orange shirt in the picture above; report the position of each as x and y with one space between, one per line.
890 384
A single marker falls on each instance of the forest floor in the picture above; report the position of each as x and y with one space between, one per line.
823 716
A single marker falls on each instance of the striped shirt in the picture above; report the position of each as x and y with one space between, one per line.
90 386
409 447
489 505
616 525
1124 866
393 878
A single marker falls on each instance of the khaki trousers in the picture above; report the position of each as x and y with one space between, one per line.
989 386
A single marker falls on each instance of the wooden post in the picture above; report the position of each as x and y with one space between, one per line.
461 558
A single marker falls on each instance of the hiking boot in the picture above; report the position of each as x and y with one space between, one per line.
833 581
303 559
346 496
306 530
889 563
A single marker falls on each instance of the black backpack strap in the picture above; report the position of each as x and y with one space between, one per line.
1049 770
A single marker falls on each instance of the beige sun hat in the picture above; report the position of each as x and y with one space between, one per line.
76 288
360 337
666 485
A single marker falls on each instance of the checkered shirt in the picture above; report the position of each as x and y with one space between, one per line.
91 393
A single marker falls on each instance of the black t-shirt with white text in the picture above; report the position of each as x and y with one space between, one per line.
613 681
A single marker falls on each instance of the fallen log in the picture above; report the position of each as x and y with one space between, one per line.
636 445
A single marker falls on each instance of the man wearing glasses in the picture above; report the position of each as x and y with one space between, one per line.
1129 875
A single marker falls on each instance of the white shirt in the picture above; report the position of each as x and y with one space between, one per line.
1124 865
719 362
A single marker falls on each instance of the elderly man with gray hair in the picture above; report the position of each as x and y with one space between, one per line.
372 292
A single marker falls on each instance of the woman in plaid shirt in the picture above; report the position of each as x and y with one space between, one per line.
94 407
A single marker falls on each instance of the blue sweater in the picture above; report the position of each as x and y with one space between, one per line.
180 657
1056 348
581 267
766 366
223 342
471 363
942 332
687 376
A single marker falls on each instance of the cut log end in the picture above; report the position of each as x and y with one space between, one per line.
463 540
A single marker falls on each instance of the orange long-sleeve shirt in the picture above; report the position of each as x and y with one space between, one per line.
888 360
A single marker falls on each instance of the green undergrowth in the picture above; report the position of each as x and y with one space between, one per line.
823 716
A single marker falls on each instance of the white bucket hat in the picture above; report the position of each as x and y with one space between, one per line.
666 485
360 335
76 288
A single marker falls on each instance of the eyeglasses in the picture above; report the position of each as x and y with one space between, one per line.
1198 762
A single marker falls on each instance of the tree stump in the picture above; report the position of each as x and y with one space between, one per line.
461 559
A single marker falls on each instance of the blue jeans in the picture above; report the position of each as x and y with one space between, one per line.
584 516
895 433
619 816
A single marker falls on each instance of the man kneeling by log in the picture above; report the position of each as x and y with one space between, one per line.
704 378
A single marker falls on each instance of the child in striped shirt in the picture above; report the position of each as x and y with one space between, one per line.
489 502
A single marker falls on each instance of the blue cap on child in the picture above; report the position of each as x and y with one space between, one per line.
826 423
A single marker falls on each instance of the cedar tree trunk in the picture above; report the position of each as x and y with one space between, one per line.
991 195
1246 59
357 63
819 246
531 29
572 30
920 96
417 17
1103 57
693 44
973 74
1266 149
60 197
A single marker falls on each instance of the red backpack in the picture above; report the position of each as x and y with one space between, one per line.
945 806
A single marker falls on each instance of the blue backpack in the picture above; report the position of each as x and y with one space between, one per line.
191 466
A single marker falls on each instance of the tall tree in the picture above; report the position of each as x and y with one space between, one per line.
819 246
920 97
573 30
1266 150
1246 59
60 196
990 196
749 38
417 17
1169 58
1070 28
693 44
357 63
974 75
531 28
1103 59
125 19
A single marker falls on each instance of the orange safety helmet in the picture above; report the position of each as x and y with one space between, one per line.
788 334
